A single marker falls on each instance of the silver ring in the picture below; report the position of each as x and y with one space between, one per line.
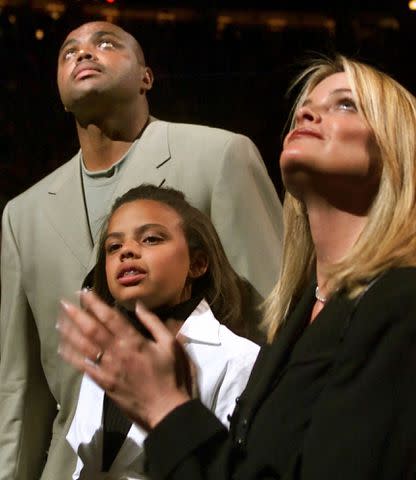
98 357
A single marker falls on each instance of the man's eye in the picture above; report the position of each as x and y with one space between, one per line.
106 44
69 54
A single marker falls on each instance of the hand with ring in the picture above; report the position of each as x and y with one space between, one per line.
98 357
147 378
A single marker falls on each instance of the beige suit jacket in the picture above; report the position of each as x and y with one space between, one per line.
47 252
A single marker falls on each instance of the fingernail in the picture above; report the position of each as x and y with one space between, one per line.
65 305
139 306
83 291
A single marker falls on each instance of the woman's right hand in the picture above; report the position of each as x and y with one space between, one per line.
146 378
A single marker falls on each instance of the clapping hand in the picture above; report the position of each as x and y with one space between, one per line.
147 378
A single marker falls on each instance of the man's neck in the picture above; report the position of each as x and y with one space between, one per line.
104 143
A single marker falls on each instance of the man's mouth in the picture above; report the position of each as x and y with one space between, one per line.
85 69
85 73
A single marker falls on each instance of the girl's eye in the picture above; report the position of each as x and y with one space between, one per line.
112 247
347 104
152 239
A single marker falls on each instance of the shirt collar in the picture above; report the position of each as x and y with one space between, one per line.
201 326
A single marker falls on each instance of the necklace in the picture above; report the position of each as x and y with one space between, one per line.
319 297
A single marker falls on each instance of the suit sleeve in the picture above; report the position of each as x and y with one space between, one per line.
364 424
247 214
26 405
189 444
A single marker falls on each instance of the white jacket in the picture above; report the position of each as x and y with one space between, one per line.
223 364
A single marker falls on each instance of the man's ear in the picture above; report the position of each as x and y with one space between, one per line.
147 79
199 264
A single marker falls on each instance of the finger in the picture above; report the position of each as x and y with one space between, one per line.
74 318
85 365
72 356
153 324
110 317
76 342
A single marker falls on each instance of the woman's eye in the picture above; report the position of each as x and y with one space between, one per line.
347 104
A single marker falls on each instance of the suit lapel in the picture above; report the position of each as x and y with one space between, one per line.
65 209
273 358
150 159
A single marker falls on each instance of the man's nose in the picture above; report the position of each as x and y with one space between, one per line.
84 54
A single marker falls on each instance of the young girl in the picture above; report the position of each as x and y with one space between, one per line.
159 249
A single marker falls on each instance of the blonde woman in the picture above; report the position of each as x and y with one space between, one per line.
333 395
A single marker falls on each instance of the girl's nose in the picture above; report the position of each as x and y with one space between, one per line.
130 250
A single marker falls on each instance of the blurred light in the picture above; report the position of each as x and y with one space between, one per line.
39 34
110 1
55 9
110 14
276 24
165 16
412 4
389 23
12 18
223 21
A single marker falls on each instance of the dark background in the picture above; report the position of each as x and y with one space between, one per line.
222 63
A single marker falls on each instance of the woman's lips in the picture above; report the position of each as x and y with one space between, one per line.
304 132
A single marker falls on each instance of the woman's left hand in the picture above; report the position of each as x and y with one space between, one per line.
146 378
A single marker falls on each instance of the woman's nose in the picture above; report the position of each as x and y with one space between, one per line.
307 113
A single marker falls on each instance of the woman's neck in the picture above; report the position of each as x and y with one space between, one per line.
334 232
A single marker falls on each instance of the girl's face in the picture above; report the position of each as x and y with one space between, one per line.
147 256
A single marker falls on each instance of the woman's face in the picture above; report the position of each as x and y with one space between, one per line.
147 256
331 147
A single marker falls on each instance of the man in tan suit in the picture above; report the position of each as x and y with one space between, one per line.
49 231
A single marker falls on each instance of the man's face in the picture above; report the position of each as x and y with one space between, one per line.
100 58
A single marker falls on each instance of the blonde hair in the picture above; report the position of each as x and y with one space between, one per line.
389 237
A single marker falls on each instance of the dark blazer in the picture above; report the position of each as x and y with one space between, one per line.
332 400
